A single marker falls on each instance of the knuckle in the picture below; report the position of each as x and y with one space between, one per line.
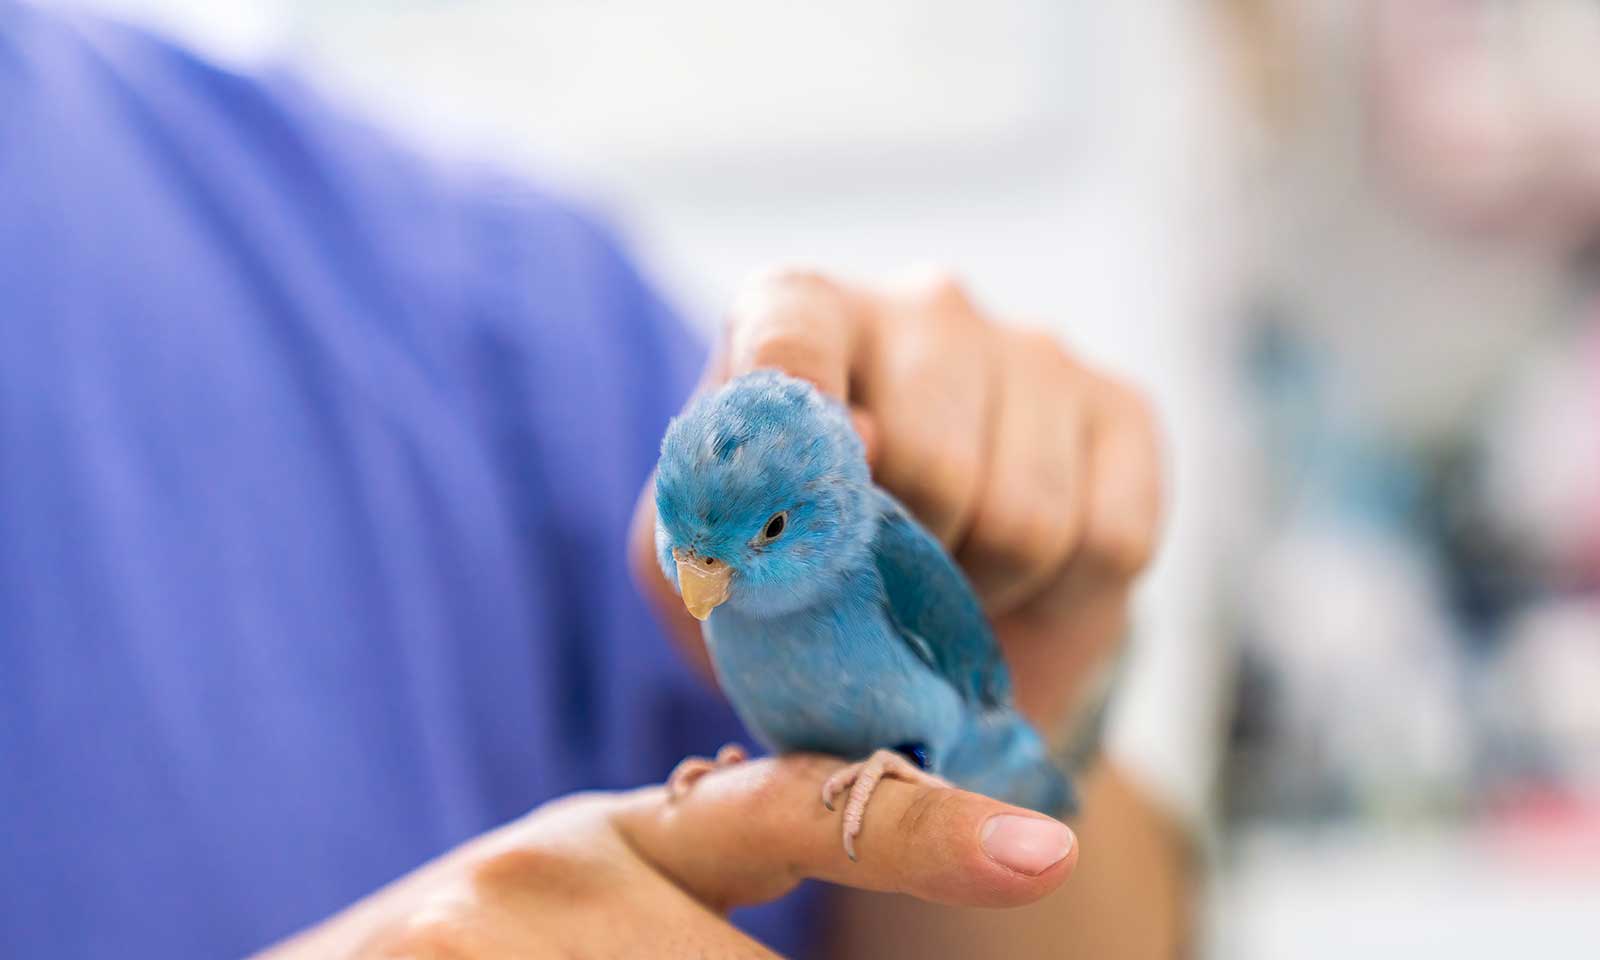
938 480
1123 403
935 297
1122 549
793 276
942 287
795 321
522 866
1041 347
783 289
438 937
786 349
548 870
1026 540
1123 536
1131 404
1037 351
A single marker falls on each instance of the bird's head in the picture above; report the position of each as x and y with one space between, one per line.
763 498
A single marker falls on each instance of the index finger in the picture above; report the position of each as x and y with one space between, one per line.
801 323
748 833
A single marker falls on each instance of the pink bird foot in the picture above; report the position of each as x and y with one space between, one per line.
861 779
690 769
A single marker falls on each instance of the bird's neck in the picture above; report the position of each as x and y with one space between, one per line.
825 597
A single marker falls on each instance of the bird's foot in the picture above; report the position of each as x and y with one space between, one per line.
691 769
861 779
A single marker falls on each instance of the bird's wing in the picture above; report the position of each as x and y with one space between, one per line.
935 610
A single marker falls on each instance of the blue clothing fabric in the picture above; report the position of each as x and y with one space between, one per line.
316 462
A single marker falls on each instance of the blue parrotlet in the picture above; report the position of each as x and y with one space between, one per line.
835 622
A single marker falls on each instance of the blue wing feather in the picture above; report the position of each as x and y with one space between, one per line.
934 609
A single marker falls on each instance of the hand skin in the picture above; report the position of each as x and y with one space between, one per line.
1130 896
1043 477
636 874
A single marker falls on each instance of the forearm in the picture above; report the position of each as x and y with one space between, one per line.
1132 896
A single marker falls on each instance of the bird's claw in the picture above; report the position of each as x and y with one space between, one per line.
861 779
690 769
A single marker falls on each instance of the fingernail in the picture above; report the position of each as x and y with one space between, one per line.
1029 845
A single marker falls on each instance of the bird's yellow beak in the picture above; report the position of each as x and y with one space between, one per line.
702 581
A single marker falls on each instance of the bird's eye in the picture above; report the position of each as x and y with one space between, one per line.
774 527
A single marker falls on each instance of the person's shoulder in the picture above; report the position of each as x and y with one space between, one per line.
80 78
268 145
295 185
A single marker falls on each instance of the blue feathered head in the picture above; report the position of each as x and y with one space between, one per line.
763 498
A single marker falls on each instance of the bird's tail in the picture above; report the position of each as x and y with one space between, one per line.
1001 756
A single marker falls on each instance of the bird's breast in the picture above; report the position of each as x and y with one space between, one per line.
837 681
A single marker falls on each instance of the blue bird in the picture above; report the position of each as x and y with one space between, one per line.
835 622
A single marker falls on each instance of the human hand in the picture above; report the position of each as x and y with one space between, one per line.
639 874
1041 475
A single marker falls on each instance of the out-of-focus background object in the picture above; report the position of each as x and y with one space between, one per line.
1349 245
1417 596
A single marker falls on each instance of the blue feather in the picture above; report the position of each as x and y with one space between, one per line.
935 610
853 630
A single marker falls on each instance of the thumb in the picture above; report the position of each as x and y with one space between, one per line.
749 833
